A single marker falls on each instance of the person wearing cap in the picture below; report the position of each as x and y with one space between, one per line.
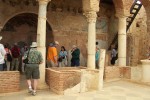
75 52
32 67
2 55
52 56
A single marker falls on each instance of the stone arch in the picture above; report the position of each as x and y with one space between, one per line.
146 4
138 50
17 13
31 16
30 12
123 7
119 7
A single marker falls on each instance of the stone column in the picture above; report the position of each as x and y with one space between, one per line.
122 41
101 69
41 39
91 18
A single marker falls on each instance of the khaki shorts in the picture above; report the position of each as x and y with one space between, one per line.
32 71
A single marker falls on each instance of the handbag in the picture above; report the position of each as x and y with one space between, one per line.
26 60
9 58
60 59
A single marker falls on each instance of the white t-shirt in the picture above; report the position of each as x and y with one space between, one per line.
2 54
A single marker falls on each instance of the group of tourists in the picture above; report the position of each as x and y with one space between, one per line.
61 59
30 58
11 57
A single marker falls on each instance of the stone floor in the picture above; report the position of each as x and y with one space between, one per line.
118 90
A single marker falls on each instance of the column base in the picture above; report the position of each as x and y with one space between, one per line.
121 61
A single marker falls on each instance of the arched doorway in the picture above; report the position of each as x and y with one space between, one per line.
22 28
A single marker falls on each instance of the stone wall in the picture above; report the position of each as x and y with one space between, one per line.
72 79
117 72
136 73
70 27
9 81
138 39
60 79
67 27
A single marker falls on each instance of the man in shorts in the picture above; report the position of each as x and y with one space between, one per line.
32 67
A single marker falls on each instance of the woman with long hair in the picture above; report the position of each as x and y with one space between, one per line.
62 57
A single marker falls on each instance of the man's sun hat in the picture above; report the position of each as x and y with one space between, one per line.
34 44
74 46
56 42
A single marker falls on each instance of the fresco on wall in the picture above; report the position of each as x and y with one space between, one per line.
102 25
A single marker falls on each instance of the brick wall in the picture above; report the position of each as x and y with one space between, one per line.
114 72
9 81
59 80
111 72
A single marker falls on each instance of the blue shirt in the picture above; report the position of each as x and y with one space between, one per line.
63 54
97 55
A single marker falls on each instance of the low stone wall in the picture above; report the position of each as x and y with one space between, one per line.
65 80
9 81
90 80
116 72
60 79
136 75
72 79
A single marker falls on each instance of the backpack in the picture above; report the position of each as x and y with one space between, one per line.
15 53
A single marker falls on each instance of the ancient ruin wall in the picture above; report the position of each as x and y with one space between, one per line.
68 27
138 39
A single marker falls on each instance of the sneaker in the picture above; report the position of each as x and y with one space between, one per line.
30 90
33 93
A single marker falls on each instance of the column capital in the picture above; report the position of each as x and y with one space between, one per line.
91 16
43 1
